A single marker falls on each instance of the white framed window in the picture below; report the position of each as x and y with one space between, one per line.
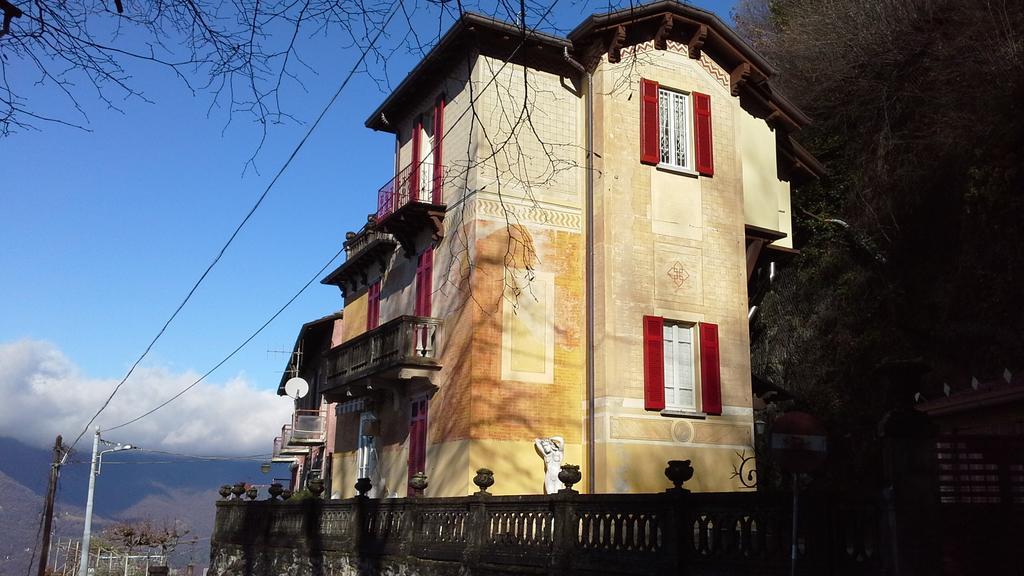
679 381
676 136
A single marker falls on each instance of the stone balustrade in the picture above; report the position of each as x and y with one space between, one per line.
674 532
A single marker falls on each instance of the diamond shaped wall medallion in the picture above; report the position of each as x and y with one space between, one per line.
678 274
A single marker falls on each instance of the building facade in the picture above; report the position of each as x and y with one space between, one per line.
559 270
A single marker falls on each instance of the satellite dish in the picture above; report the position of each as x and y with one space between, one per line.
296 388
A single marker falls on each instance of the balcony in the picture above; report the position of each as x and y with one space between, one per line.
279 454
403 348
363 251
287 446
309 428
412 202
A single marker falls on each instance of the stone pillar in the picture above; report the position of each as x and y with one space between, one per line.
908 463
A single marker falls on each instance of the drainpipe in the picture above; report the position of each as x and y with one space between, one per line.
589 267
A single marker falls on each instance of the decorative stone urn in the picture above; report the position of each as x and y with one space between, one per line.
225 491
238 489
678 472
316 486
484 479
418 482
275 490
569 475
252 492
363 486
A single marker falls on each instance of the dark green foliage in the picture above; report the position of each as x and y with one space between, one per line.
913 246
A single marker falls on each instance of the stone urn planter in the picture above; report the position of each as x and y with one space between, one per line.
484 479
275 490
225 491
238 489
252 492
678 472
569 475
316 486
418 482
363 486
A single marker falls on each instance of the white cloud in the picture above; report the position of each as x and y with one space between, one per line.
44 394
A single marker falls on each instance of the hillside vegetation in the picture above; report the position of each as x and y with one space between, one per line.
913 245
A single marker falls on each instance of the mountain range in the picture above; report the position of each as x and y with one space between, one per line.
131 486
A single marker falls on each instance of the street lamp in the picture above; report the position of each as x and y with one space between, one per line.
94 471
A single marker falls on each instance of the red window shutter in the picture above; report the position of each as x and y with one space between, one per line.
373 306
710 371
414 166
702 134
650 140
417 440
654 363
438 147
424 282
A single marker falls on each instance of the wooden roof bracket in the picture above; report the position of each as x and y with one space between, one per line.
739 76
615 46
661 36
696 43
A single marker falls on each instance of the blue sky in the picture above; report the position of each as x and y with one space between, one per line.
103 232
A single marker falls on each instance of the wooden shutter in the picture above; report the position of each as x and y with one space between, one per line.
414 166
654 363
702 134
373 306
710 372
438 147
417 440
650 140
424 282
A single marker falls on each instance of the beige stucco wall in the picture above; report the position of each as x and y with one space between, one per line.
765 197
649 221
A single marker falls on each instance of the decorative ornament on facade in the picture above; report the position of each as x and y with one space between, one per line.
746 471
678 274
552 450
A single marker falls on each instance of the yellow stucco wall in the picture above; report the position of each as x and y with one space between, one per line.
355 318
648 222
765 197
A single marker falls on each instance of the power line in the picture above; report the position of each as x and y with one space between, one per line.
494 77
237 349
259 201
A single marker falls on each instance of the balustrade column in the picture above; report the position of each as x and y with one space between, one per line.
563 538
477 531
678 533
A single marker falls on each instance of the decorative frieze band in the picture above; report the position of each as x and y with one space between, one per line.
542 214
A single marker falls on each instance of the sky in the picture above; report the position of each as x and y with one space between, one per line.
103 232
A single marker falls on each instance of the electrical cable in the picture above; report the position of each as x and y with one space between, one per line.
237 349
440 140
259 201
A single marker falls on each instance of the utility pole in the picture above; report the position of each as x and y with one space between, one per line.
51 492
83 563
94 471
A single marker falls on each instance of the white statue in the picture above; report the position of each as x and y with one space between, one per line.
552 450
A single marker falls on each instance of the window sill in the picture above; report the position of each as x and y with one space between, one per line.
671 413
678 170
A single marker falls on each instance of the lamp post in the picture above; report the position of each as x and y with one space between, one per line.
94 471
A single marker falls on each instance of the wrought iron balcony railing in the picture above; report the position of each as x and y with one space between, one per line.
405 342
309 427
417 183
411 202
